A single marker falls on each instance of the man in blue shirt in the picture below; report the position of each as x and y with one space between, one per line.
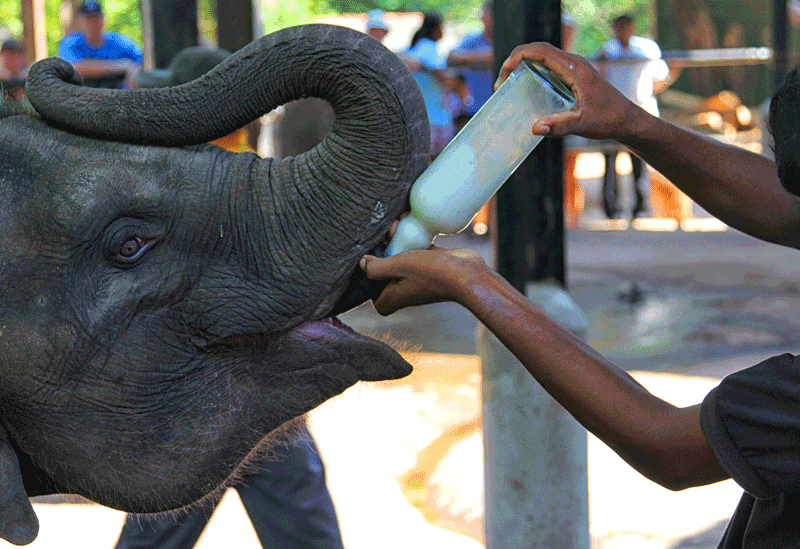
474 58
104 59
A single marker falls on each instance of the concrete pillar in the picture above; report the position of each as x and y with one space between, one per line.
34 29
536 492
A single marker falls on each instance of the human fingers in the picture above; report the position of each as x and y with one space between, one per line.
600 111
559 61
374 267
557 125
434 262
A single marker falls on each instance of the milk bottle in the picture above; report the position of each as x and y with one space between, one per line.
477 162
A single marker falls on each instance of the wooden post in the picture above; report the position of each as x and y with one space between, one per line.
66 16
34 30
148 39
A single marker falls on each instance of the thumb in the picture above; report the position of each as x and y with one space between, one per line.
557 125
375 268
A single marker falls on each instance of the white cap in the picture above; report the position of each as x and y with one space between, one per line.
375 20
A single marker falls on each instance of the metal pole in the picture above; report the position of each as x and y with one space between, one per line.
174 24
235 24
535 452
781 46
258 21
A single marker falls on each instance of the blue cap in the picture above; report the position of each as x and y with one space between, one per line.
90 7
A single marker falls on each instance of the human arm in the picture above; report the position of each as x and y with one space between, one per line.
413 64
661 84
663 442
477 59
96 69
739 187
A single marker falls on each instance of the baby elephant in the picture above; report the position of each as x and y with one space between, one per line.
166 305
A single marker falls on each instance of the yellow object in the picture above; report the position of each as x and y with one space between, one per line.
235 142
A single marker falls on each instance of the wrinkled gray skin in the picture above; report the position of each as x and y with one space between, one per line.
163 307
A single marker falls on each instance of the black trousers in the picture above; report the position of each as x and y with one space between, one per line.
611 194
287 501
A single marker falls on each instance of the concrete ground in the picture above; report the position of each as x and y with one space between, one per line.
404 460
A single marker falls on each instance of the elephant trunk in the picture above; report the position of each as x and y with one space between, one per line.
343 194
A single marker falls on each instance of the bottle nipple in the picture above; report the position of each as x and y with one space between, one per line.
410 234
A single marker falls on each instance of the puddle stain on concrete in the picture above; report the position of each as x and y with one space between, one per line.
457 385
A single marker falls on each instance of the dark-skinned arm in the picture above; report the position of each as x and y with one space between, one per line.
663 442
737 186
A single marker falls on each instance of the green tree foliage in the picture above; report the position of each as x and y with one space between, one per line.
278 14
449 8
593 16
594 20
9 17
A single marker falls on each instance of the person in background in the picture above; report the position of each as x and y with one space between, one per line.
13 70
376 25
636 69
573 193
103 59
747 427
569 30
285 497
429 69
474 59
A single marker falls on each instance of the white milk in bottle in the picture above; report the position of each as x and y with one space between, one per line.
483 155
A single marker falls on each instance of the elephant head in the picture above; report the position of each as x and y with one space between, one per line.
164 305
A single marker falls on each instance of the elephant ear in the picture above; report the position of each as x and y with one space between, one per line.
18 522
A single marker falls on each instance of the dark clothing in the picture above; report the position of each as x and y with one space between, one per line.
286 498
611 203
752 421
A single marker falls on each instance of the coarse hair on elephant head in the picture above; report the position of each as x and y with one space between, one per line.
166 304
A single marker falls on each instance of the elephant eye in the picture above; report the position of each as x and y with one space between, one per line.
132 249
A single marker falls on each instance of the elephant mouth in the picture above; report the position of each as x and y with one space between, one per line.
339 348
373 360
360 289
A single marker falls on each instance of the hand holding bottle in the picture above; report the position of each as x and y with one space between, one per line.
600 111
481 157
